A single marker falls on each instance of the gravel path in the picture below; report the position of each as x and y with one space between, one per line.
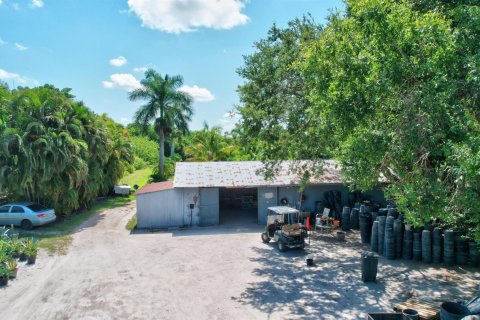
212 273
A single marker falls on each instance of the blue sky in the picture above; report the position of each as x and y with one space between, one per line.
100 47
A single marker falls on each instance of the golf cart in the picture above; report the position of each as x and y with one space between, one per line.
283 227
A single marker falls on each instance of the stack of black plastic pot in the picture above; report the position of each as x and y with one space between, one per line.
391 238
346 219
426 246
365 225
449 247
437 245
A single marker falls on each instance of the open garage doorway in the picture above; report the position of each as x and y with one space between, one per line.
238 206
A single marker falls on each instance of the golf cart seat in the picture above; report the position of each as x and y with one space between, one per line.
293 229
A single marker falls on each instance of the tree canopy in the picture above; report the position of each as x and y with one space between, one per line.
389 89
56 151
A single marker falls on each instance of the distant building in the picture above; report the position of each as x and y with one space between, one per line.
211 193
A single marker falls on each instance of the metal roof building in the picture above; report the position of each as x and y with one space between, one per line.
236 192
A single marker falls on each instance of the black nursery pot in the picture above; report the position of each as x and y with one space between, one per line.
14 274
31 260
22 257
3 281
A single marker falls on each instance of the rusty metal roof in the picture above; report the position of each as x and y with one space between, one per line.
238 174
154 187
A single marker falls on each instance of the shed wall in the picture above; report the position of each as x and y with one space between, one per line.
209 206
267 197
188 198
160 209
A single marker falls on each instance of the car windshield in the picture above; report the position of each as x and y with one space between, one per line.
36 207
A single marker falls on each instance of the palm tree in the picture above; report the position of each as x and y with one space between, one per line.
166 106
209 144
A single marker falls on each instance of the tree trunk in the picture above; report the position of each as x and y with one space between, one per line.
172 147
161 153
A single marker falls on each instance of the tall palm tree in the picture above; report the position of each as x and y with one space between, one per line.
166 106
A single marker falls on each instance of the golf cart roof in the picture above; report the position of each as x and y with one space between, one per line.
283 210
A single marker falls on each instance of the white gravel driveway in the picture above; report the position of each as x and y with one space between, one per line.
211 273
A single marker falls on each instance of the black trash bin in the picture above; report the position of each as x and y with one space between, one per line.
369 266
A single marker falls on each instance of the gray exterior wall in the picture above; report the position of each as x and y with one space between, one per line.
267 197
170 208
209 207
160 209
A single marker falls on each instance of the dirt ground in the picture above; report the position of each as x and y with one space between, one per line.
213 273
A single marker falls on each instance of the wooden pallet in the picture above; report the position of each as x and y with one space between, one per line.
426 310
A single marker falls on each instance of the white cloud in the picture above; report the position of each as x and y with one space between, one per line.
124 121
37 3
229 120
2 42
122 80
176 16
15 77
20 47
140 69
198 94
119 61
1 2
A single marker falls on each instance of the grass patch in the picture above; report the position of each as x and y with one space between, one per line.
132 223
138 177
58 243
70 223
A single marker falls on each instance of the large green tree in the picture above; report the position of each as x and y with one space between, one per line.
167 107
392 91
55 151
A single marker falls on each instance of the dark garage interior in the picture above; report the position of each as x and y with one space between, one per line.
238 206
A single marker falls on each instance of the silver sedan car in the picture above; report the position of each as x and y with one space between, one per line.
26 215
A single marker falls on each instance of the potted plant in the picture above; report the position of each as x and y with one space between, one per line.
31 249
12 267
16 248
4 273
22 248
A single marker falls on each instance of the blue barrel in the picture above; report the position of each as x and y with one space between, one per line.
374 238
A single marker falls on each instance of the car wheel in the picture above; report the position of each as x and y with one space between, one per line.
281 246
265 238
26 224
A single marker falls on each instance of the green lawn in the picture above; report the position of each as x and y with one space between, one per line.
139 177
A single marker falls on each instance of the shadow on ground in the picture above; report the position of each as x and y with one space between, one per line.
333 289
